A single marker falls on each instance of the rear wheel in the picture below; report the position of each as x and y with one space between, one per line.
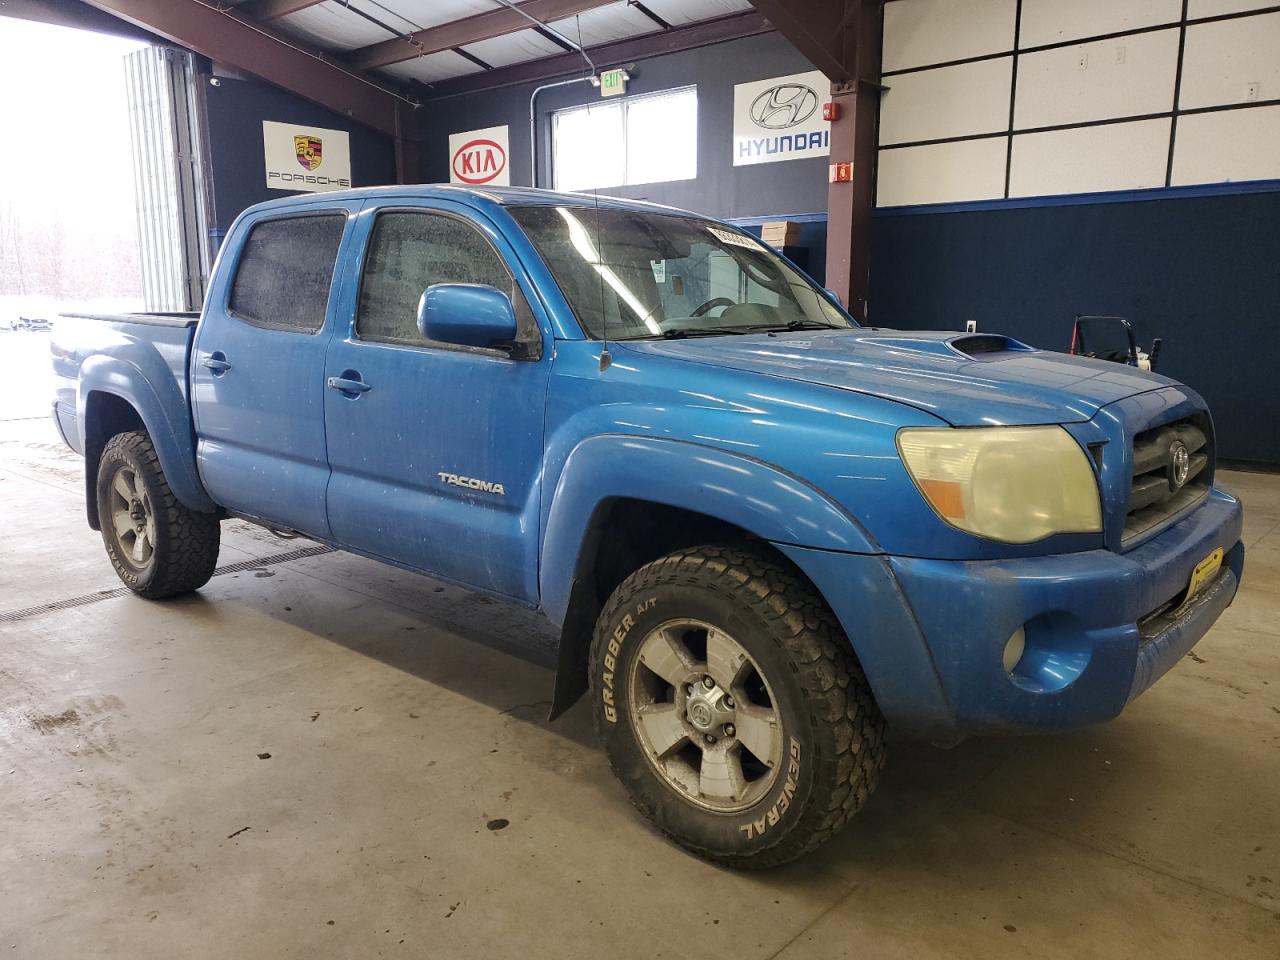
731 706
158 547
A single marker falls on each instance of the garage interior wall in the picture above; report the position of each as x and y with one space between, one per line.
1029 98
1041 159
720 188
234 111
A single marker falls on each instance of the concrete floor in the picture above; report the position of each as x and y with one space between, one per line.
137 819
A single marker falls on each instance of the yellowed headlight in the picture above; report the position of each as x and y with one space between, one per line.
1012 484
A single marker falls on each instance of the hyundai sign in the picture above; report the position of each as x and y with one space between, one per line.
780 119
479 156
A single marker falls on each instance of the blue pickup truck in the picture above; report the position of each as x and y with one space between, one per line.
766 534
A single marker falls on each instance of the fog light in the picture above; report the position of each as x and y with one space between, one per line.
1014 649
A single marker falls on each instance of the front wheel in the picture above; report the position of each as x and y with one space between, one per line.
158 547
732 708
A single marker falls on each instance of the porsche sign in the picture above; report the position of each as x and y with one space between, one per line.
311 159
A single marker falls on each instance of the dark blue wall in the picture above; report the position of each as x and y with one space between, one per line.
234 111
1201 272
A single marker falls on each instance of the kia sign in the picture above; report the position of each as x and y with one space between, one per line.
479 157
780 119
479 161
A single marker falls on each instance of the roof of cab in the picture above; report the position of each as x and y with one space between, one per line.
500 196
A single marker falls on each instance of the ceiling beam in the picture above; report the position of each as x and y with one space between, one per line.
606 55
71 13
265 10
458 33
817 28
255 50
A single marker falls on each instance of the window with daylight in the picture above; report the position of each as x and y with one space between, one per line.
612 143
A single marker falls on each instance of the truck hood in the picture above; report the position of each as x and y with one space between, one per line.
964 379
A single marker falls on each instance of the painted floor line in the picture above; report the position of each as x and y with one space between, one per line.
10 616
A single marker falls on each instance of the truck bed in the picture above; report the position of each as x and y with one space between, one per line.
154 319
118 347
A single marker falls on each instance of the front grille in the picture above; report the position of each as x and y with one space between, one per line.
1158 491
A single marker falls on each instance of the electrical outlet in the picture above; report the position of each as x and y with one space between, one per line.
1083 62
1252 90
1120 54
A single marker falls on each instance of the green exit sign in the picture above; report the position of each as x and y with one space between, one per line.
613 82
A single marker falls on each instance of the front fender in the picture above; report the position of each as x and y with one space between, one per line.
750 494
143 380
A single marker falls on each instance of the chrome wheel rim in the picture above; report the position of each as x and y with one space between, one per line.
132 519
705 716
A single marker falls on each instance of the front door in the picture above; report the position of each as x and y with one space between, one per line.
435 450
257 374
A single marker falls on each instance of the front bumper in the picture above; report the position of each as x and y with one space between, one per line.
930 634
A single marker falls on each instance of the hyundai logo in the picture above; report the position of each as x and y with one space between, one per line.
783 106
1179 465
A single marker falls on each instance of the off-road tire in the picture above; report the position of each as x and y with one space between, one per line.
185 551
831 725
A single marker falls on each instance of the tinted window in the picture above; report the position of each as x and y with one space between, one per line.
408 252
285 271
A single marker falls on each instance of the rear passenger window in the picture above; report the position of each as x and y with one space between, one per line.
285 271
408 252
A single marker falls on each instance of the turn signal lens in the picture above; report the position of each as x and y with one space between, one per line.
1014 649
1012 484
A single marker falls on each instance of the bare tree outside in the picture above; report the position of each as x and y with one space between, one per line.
68 236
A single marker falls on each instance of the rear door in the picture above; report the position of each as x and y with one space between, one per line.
257 372
436 462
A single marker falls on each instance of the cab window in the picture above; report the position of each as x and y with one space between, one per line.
283 279
408 252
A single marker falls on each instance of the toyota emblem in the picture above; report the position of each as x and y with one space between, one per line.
783 106
1179 465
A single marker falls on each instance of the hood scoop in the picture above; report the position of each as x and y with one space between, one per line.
968 346
982 346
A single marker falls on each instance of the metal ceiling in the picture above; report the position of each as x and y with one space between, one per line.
347 26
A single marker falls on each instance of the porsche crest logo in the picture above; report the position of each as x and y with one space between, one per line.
310 151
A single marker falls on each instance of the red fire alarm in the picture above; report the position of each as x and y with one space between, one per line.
840 173
831 111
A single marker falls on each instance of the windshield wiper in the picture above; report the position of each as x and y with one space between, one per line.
681 332
791 325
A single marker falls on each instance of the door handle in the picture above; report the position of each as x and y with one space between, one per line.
349 384
217 362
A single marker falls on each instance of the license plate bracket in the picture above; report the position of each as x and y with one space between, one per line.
1203 574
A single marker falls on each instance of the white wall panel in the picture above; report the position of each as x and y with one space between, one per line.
1228 145
1052 21
942 172
947 102
1213 8
918 33
1126 77
1223 58
1116 156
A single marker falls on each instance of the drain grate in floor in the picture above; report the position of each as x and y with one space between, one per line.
9 616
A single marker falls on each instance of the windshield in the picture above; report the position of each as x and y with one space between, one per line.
630 275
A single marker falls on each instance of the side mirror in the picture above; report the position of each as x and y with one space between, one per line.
833 297
466 314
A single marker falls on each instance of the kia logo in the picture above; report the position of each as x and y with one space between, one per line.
479 161
783 106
